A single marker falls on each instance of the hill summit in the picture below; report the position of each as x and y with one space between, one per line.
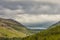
10 28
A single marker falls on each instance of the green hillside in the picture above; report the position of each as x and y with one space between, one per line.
10 28
52 33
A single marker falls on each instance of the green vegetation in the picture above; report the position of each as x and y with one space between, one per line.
10 29
52 33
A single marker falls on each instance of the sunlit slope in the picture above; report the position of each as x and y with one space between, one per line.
9 32
52 33
10 28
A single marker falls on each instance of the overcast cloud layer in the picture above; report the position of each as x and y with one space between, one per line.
28 11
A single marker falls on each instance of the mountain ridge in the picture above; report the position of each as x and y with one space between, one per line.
11 28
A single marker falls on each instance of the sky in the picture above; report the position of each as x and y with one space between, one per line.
30 11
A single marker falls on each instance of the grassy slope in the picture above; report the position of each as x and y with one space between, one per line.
10 32
10 28
52 33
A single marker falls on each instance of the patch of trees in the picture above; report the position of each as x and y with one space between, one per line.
1 38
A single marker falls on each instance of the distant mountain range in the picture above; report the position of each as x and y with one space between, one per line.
37 27
40 25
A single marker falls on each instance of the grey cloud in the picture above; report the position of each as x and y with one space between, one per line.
28 7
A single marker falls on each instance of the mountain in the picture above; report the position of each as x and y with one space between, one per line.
37 27
13 30
52 33
40 24
10 28
58 23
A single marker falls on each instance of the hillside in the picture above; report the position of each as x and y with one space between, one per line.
10 28
52 33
